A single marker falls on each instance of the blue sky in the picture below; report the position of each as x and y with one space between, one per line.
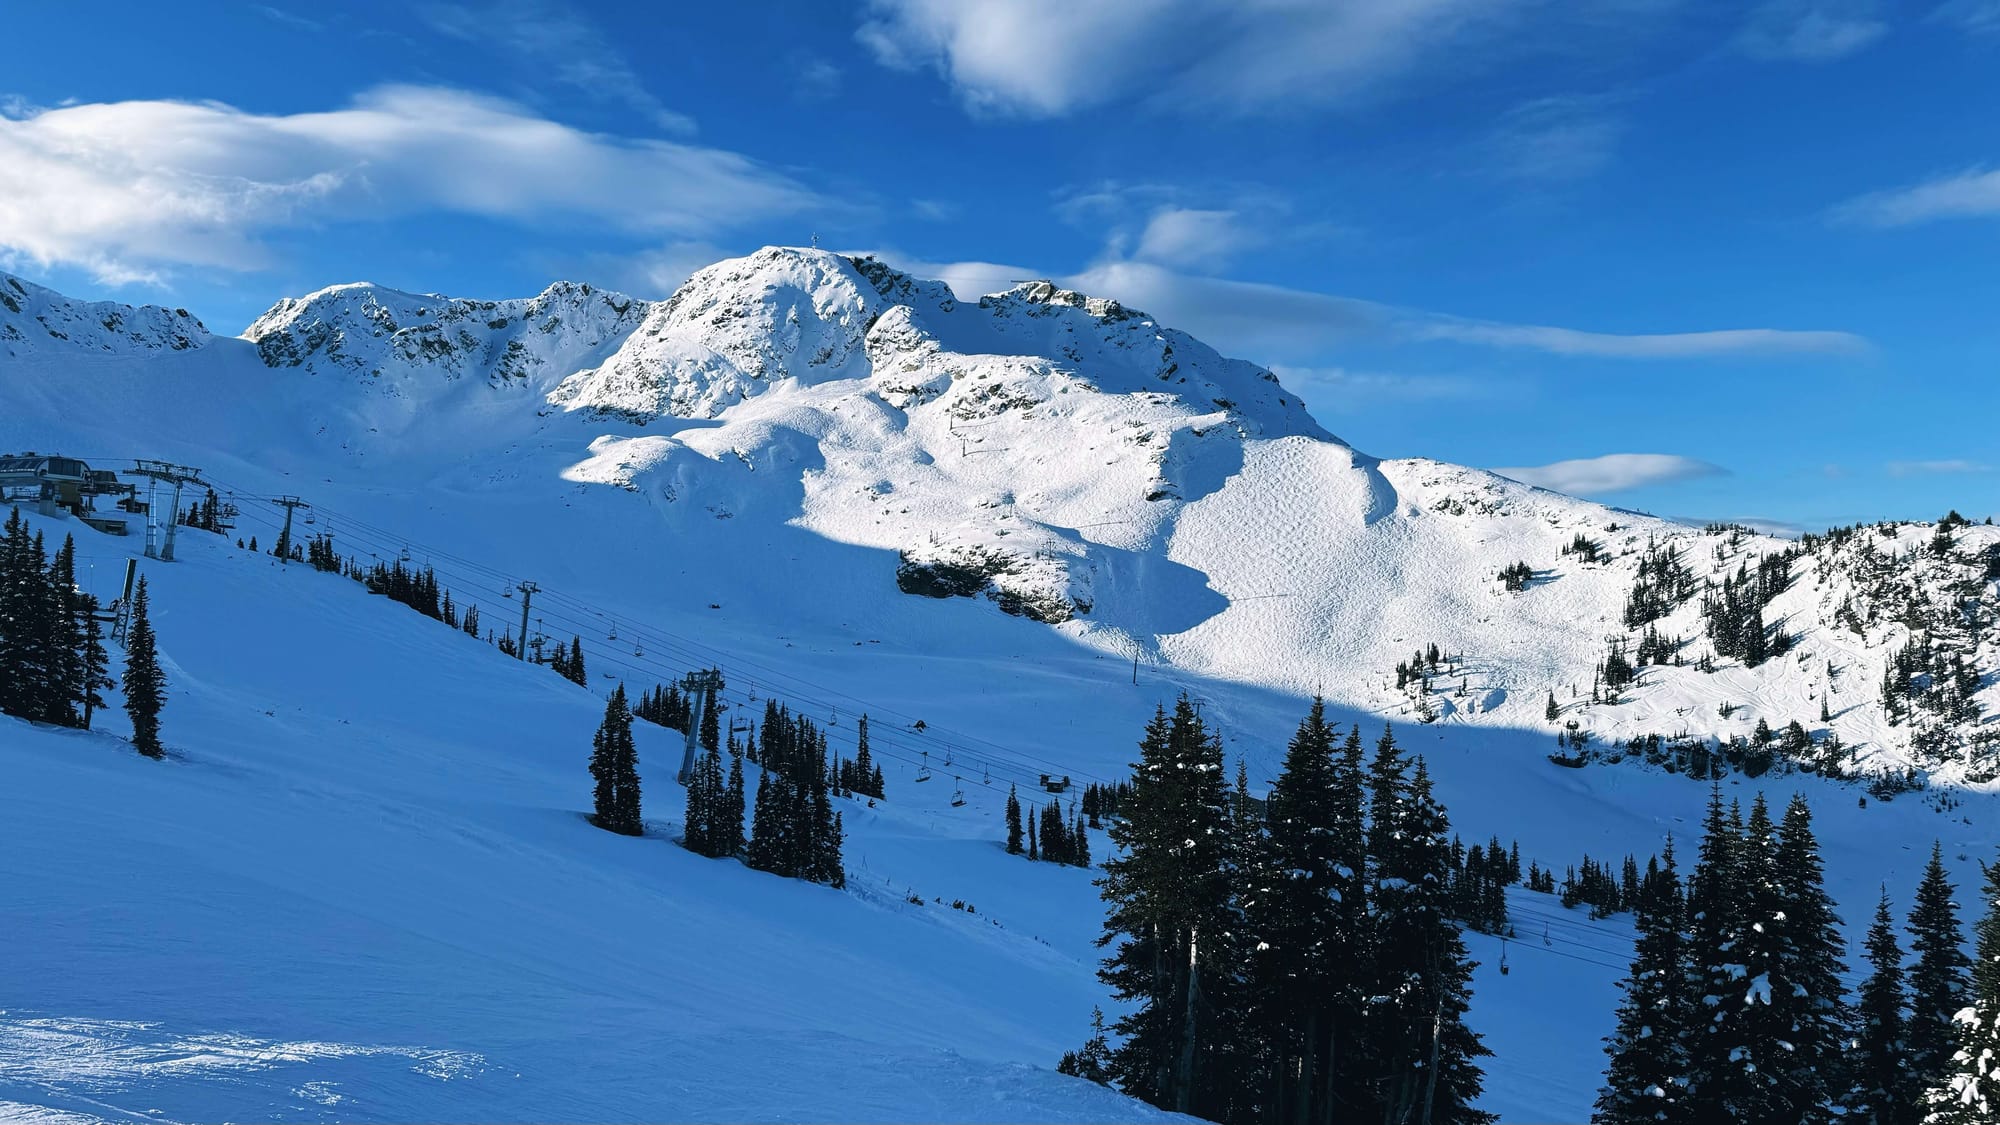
1712 260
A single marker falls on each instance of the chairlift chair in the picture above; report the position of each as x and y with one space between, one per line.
924 771
958 793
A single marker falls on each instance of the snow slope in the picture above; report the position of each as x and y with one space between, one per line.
772 469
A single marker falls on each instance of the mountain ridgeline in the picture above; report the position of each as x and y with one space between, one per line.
1069 461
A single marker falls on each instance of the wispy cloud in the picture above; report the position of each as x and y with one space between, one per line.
1551 139
1811 30
558 41
1965 195
1930 468
129 188
1047 58
1189 236
1981 17
1276 324
289 18
1280 322
1613 472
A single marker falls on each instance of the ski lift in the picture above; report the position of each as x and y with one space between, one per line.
958 793
311 519
1503 957
405 555
924 771
638 650
947 753
753 693
614 630
985 776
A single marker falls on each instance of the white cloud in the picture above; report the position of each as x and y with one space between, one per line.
1045 58
1967 195
127 189
1565 138
1186 236
1811 30
1930 468
1613 472
559 43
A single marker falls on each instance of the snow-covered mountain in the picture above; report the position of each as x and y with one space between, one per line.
36 321
1008 526
1077 463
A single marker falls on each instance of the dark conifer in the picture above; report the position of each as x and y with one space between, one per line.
1646 1080
1169 903
1880 1089
1013 822
1939 982
145 684
614 766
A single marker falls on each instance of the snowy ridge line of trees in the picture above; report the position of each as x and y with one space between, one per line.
1294 961
907 743
1734 1007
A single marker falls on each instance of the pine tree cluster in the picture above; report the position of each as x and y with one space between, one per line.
1051 836
794 830
210 513
614 767
1662 584
862 773
1734 1008
1514 577
665 706
1735 610
568 663
52 659
1298 962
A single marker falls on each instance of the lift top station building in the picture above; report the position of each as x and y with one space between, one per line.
57 484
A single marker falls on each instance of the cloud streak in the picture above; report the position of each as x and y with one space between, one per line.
1811 30
558 42
1613 472
1048 58
1966 195
128 189
1936 468
1283 323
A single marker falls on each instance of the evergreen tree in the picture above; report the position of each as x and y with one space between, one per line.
707 809
1425 1054
1970 1091
729 823
1310 942
1013 822
1168 897
145 684
1880 1090
94 662
1939 984
1714 898
614 765
1806 993
1646 1079
1093 1061
64 640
